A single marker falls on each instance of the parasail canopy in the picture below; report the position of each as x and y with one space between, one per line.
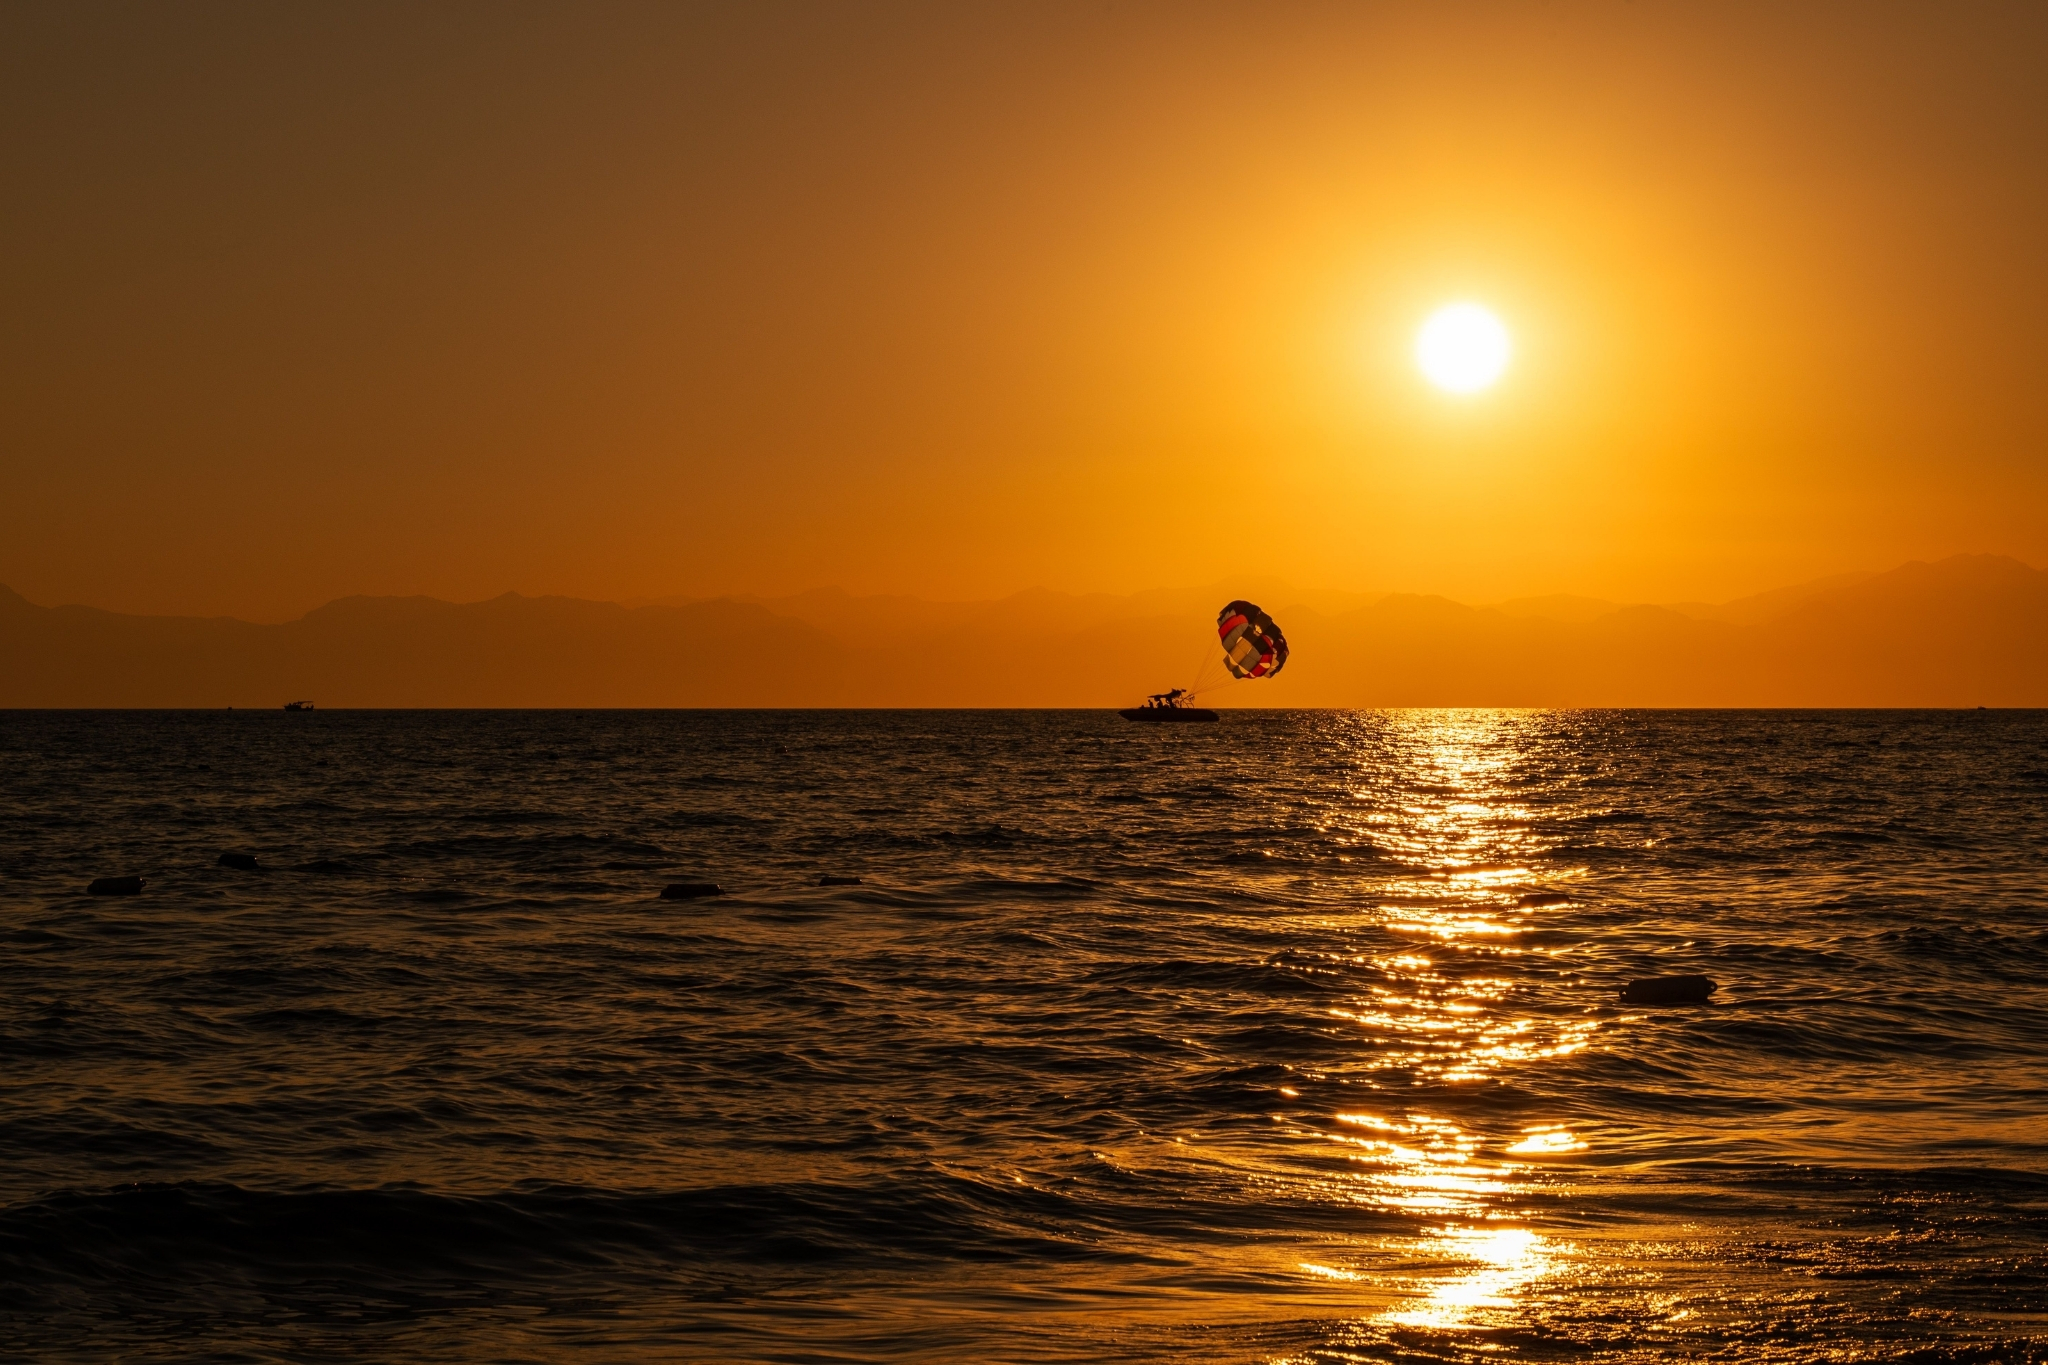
1253 646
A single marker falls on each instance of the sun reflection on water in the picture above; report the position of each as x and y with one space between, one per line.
1474 880
1547 1140
1503 1262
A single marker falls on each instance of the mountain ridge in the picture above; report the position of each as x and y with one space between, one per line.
1963 631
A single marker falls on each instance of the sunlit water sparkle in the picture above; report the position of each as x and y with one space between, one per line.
1290 1039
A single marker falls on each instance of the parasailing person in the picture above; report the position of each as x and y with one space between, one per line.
1253 647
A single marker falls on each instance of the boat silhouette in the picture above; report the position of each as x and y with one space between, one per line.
1169 708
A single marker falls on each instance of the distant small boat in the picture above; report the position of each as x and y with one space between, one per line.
298 706
1169 708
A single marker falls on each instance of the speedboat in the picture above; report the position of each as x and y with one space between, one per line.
1169 708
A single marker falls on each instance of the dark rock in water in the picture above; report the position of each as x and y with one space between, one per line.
1668 990
1537 898
245 861
115 886
690 891
839 881
327 865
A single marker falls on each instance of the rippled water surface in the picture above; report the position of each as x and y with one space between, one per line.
1294 1038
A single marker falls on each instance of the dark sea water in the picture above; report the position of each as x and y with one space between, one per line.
1290 1039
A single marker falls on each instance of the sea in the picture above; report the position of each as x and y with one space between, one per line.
1294 1038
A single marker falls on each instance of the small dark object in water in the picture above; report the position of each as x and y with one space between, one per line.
1668 990
115 886
298 706
690 891
1540 898
839 881
245 861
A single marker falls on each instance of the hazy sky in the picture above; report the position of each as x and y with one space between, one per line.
622 301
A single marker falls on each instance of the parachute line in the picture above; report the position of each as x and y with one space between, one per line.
1253 647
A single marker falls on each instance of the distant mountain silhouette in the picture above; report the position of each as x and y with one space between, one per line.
417 651
1967 631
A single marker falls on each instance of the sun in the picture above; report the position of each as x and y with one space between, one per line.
1462 348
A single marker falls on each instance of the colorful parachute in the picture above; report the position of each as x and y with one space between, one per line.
1253 646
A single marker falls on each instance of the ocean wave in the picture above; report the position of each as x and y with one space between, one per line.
1308 1048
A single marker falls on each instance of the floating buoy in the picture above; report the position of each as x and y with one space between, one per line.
690 891
245 861
115 886
839 881
1668 990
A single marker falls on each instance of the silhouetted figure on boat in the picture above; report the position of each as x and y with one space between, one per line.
1169 706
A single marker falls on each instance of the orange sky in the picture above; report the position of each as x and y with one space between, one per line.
623 301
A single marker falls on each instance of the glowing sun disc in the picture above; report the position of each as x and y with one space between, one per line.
1462 348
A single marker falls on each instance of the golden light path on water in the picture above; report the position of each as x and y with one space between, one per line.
1441 1018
